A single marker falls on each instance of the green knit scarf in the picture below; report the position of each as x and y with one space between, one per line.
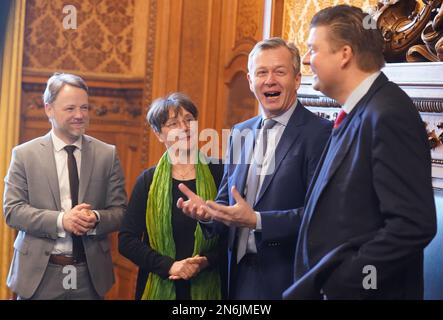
204 286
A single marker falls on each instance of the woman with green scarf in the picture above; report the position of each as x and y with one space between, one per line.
174 258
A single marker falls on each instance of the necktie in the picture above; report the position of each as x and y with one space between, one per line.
253 185
77 243
340 117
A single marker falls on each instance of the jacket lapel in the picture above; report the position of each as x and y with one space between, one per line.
86 167
47 160
241 165
344 138
241 170
289 137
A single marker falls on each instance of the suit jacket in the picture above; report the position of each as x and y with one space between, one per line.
32 205
296 158
370 204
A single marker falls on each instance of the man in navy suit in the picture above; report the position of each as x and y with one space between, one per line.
370 210
262 246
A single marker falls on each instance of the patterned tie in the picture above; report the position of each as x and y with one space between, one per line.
77 242
340 117
253 185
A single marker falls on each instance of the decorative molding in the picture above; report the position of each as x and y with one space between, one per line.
318 101
423 82
147 91
422 105
247 26
104 102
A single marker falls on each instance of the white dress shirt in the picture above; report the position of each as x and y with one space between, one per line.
274 137
359 92
63 244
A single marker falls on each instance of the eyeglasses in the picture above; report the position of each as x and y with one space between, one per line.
175 122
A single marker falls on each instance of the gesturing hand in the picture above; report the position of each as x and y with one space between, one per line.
192 207
241 214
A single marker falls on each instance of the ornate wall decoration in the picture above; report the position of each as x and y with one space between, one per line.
119 106
102 42
413 30
298 14
147 91
248 14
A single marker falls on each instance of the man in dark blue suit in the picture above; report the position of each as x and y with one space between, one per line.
262 246
370 210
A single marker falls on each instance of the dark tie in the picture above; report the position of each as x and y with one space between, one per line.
340 117
77 243
253 185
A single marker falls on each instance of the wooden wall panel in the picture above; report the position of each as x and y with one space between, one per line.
202 51
243 23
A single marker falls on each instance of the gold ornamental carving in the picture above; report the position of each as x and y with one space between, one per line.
413 30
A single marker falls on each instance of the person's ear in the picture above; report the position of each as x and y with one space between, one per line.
347 54
251 86
158 135
49 110
297 80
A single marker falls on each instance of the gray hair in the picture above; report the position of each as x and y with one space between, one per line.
57 81
274 43
158 112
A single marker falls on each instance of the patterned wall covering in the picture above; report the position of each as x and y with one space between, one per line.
102 42
248 14
298 14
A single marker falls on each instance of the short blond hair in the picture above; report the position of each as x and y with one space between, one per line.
274 43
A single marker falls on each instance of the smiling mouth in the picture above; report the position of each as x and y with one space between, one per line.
272 94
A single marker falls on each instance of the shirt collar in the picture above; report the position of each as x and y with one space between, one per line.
59 144
359 92
283 119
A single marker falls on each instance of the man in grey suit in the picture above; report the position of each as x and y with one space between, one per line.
64 193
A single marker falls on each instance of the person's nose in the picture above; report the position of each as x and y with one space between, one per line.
306 59
79 114
270 79
183 124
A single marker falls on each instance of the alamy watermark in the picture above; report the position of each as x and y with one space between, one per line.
237 147
369 22
370 280
70 18
70 280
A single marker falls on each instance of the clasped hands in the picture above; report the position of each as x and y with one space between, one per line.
240 215
187 268
79 220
